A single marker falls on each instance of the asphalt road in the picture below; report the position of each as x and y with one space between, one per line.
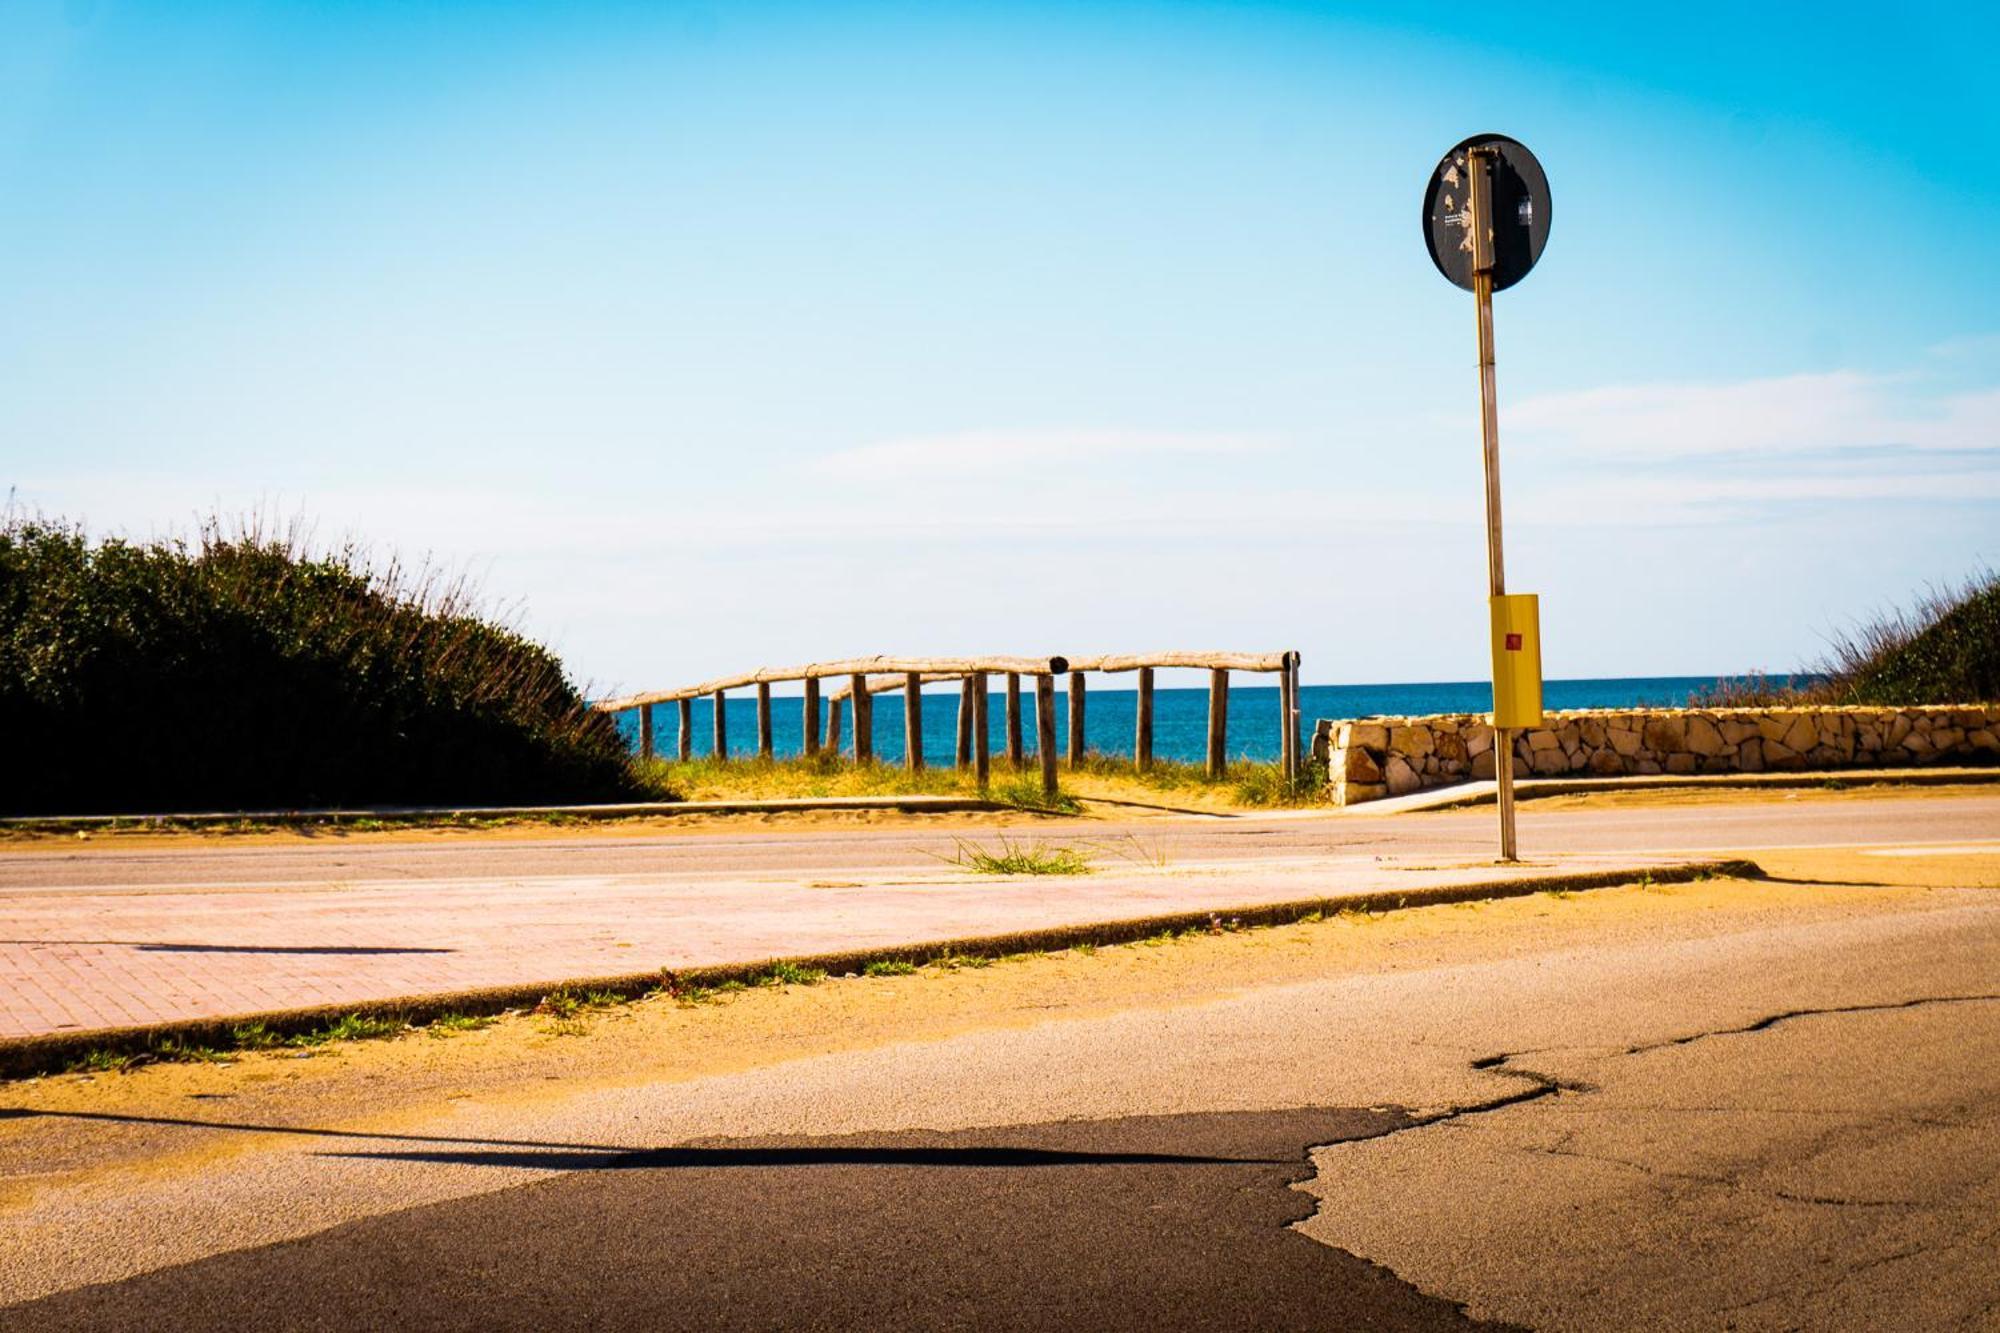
1175 1222
1746 1115
1767 821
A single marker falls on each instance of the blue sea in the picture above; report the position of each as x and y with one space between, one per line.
1180 716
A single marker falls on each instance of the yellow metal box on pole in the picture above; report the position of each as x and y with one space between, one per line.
1517 660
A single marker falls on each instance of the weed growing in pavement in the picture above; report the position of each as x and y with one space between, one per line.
104 1062
354 1027
1022 859
602 999
791 974
1087 949
174 1049
1129 848
559 1004
254 1037
888 967
952 962
446 1025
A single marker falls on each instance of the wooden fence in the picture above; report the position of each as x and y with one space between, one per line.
864 678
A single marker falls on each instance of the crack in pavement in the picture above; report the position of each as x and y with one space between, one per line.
1543 1085
1770 1021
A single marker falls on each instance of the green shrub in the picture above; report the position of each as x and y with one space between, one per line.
245 672
1944 651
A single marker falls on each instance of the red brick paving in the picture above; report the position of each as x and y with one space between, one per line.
81 960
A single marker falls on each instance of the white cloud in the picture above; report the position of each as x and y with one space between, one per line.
988 451
1789 414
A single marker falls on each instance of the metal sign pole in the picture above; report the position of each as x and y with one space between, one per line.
1479 202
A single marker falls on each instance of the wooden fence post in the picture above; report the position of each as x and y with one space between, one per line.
982 746
721 728
763 719
1218 722
1045 731
687 729
966 690
913 721
809 716
1076 747
864 719
1293 767
1014 755
1285 724
645 731
1142 729
833 712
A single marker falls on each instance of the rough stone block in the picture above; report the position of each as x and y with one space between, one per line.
1737 730
1354 793
1416 742
1703 736
1781 756
1360 766
1664 735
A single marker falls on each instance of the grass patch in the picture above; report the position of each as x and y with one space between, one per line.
1100 776
889 967
354 1027
450 1025
706 778
792 974
952 962
1014 858
254 1037
1025 793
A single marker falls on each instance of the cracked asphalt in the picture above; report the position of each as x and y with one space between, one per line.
1725 1105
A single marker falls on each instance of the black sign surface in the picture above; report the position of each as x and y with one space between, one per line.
1520 212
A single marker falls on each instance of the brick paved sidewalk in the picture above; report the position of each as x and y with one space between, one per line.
79 961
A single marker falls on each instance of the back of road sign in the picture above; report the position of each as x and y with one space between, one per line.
1520 221
1517 660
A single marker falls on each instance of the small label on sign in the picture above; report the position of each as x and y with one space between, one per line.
1513 643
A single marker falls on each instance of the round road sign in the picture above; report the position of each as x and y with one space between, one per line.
1520 212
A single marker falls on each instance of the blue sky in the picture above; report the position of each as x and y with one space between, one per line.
716 336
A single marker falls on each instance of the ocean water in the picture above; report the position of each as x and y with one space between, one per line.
1180 716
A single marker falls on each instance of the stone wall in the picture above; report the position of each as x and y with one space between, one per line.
1390 756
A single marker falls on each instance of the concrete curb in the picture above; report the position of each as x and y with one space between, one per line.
22 1057
1527 789
914 804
